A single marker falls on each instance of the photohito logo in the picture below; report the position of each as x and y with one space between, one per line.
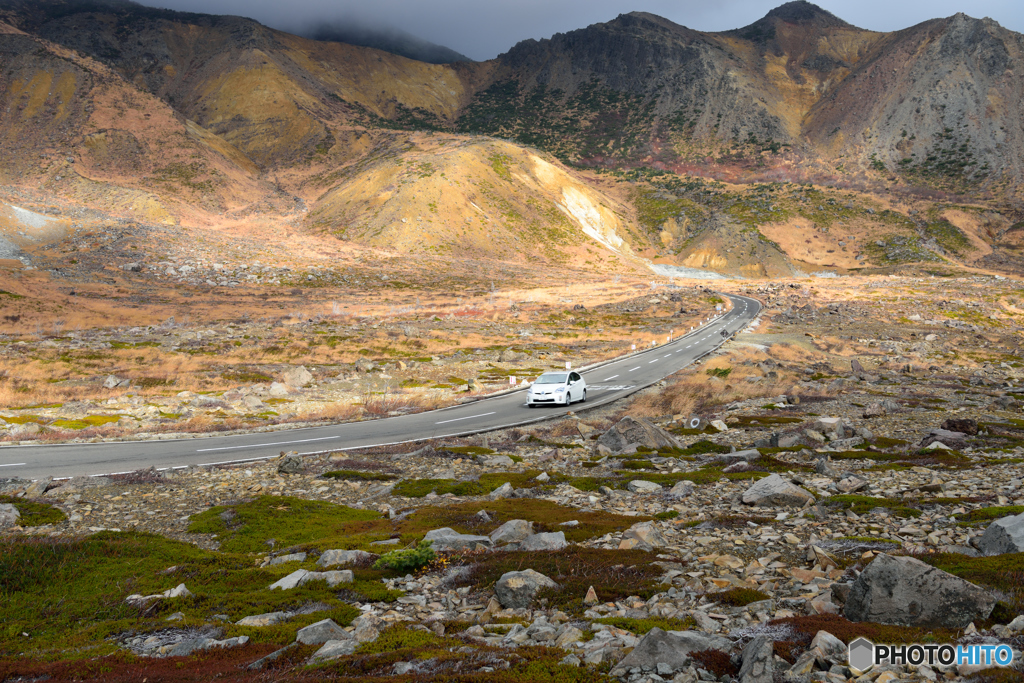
863 654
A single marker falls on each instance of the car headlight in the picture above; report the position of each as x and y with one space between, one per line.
560 390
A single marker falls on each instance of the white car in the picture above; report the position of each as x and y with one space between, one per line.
557 388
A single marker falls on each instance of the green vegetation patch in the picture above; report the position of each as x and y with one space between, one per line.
311 525
249 527
34 513
642 626
69 593
86 422
862 505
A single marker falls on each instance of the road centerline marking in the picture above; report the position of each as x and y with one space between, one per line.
468 417
12 464
636 368
610 378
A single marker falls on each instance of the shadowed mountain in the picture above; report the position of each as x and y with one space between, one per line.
388 39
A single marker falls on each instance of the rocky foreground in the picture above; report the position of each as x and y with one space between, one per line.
833 495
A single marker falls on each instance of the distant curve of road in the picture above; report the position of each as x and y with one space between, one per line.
605 383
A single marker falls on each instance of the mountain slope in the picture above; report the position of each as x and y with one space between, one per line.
71 127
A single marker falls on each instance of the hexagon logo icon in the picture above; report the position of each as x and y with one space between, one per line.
861 654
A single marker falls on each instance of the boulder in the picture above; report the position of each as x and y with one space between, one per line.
518 589
253 403
907 592
495 460
512 531
503 491
682 489
9 515
963 425
187 647
445 540
290 581
952 440
641 486
290 464
631 431
321 632
297 377
669 648
647 534
332 649
776 491
1005 535
278 390
365 365
554 540
283 559
737 456
332 558
113 381
268 619
757 661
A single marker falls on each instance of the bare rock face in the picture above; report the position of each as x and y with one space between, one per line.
907 592
776 491
963 425
636 432
1005 535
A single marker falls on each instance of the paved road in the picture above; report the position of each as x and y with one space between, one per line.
605 384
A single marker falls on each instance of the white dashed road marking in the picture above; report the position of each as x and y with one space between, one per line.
468 417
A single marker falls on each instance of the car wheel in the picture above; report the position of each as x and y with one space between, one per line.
584 396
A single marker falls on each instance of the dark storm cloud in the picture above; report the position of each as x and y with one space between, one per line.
482 30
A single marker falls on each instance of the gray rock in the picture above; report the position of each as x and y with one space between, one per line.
671 648
495 461
518 589
757 661
554 540
828 650
907 592
332 558
187 647
38 487
737 456
321 632
278 390
253 403
297 377
636 432
445 539
648 535
682 489
332 649
641 486
290 464
512 531
113 381
776 491
1005 535
9 515
282 559
503 491
290 581
365 365
268 619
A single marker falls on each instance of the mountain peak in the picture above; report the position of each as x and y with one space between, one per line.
803 12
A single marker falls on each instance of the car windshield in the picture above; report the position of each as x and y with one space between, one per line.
552 378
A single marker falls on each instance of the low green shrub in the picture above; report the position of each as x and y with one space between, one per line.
407 560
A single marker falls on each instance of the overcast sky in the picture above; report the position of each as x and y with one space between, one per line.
482 29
